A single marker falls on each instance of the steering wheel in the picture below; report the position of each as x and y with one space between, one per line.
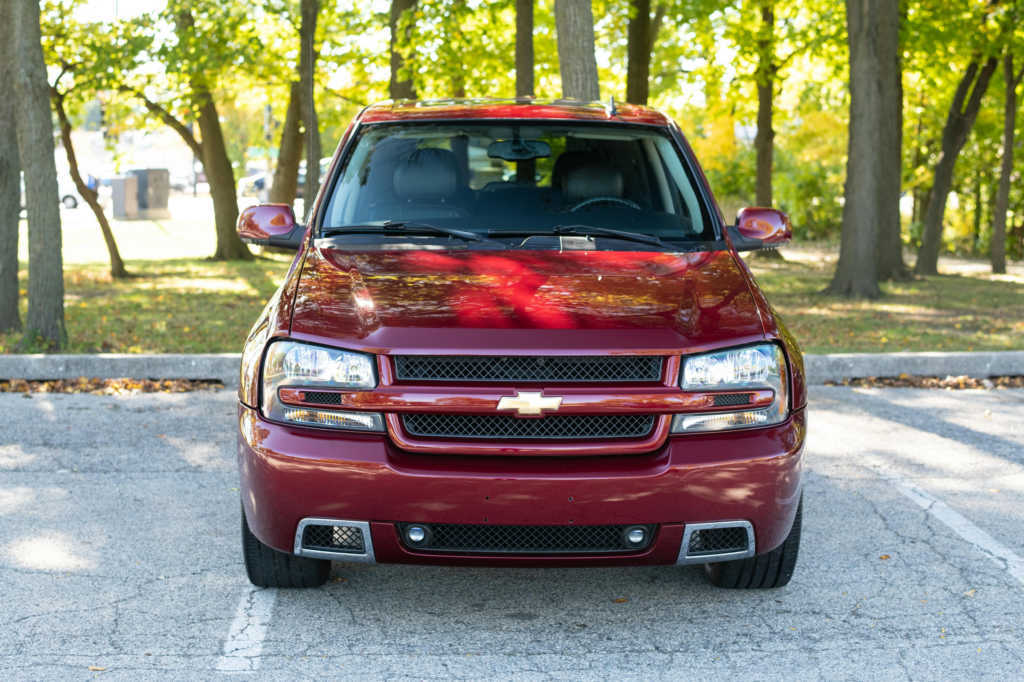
605 200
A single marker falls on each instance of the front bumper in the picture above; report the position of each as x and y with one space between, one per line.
290 473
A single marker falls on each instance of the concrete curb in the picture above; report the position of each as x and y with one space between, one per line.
224 366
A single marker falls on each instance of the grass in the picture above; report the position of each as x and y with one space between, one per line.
188 304
957 312
172 306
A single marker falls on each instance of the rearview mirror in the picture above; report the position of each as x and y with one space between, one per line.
518 149
270 225
760 228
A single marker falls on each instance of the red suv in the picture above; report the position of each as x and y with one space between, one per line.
519 333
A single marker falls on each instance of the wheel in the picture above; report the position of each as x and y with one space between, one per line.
269 568
773 569
69 202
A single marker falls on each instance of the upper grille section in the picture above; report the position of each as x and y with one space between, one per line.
553 427
555 369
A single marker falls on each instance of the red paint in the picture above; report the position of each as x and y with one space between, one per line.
290 473
519 302
766 224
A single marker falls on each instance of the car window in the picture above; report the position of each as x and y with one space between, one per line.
504 176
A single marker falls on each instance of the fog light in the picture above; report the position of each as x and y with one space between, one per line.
636 536
416 534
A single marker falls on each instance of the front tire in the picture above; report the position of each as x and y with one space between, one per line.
268 567
770 570
69 202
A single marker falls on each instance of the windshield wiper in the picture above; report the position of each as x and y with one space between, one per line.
401 227
582 231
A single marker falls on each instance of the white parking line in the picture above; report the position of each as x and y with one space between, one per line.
995 550
244 642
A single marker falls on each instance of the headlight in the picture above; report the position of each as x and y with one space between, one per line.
736 369
301 365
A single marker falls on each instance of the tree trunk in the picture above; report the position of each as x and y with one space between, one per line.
10 184
638 50
764 140
221 177
959 121
873 33
890 147
524 48
45 319
997 247
307 73
117 270
574 24
289 151
399 89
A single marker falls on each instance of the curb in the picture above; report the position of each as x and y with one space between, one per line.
224 366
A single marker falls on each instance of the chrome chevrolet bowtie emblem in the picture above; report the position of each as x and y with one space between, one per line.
527 403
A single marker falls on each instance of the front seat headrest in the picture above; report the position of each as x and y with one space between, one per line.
427 174
587 182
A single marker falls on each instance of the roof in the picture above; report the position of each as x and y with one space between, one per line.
520 108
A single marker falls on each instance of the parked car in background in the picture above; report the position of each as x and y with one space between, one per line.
519 333
67 193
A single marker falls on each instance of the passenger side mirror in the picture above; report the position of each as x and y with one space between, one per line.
270 225
760 228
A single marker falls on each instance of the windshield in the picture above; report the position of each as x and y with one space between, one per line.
490 178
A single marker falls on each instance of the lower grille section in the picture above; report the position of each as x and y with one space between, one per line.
333 539
552 427
488 539
718 540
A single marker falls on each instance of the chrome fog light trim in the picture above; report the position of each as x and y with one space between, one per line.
366 556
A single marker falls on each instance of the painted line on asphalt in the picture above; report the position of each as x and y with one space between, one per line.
959 524
244 643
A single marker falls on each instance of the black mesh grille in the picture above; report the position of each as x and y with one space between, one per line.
717 540
596 368
481 539
555 427
729 399
333 538
322 397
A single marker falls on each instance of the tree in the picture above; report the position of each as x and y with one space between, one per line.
45 319
401 84
289 150
962 113
307 77
10 180
574 21
524 48
117 269
997 246
873 34
639 42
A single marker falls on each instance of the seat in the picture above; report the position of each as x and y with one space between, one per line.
426 184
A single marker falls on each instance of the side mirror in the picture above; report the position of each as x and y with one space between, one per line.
270 225
760 228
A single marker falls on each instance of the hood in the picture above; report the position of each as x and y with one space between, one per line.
488 302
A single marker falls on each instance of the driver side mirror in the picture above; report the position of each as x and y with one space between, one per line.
760 228
270 225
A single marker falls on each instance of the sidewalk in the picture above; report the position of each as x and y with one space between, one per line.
224 366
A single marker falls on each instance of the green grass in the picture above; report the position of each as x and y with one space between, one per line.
194 305
172 306
961 312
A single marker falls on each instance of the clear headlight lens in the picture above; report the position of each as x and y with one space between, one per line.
737 369
301 365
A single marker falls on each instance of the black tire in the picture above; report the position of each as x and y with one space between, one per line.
770 570
69 201
269 568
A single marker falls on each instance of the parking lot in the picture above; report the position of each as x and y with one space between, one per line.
119 558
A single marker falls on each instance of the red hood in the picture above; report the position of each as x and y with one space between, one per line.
515 301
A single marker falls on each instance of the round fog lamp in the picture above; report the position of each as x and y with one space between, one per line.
416 534
636 536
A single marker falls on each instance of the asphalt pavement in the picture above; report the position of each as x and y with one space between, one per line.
120 559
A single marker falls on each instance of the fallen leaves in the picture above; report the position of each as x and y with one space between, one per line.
885 557
96 386
949 382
